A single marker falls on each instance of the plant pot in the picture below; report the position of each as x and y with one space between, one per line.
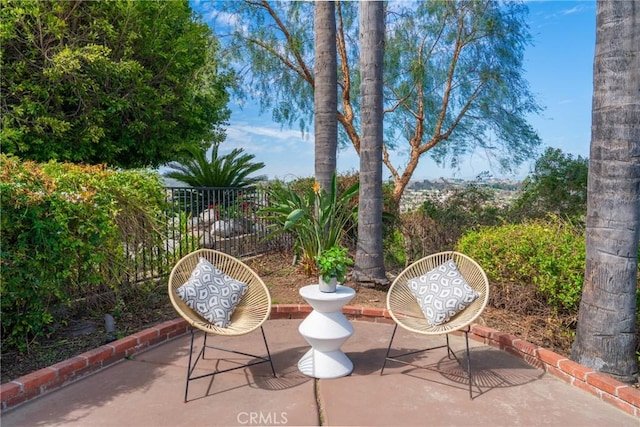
327 286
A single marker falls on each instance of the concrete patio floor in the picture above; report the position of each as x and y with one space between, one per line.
148 389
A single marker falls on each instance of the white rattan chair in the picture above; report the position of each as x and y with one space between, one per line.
405 311
251 312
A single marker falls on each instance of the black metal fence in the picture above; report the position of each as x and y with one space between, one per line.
224 219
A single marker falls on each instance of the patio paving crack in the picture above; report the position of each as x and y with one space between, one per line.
319 410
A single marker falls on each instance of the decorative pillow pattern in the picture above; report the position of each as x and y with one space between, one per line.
213 294
442 293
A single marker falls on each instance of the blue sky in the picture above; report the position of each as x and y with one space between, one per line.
558 67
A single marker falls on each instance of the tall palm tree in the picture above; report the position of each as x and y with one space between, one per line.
368 269
227 170
325 92
606 335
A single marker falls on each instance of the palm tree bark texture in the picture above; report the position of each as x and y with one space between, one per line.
606 335
369 265
325 92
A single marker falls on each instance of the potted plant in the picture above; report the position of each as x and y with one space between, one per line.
332 267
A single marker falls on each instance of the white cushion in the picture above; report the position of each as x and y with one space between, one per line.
442 293
211 293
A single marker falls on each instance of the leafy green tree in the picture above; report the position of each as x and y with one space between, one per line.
127 83
220 170
453 76
557 186
605 336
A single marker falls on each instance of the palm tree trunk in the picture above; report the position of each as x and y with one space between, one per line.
369 264
606 335
325 93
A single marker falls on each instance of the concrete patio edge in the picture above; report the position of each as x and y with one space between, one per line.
46 380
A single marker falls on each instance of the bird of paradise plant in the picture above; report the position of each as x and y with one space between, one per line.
319 219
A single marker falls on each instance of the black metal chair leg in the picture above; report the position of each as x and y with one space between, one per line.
186 388
204 345
468 353
466 336
386 357
450 353
264 338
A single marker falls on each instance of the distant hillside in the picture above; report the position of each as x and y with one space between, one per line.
448 183
419 191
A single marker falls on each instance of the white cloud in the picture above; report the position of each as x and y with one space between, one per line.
270 132
285 152
575 9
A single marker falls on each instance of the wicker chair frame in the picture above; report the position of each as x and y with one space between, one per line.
252 311
406 313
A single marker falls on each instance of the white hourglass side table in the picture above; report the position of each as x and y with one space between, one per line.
326 329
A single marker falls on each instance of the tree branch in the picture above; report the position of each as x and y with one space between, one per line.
307 75
463 111
282 59
345 118
447 91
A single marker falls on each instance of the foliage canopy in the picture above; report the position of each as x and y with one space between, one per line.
453 76
126 83
556 186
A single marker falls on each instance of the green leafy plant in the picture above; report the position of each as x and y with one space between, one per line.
546 254
394 248
226 174
319 219
63 231
219 170
333 262
556 186
105 91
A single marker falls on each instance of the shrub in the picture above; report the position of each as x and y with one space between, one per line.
63 229
319 219
548 255
394 249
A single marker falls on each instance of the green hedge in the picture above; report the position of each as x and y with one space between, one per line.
63 232
548 254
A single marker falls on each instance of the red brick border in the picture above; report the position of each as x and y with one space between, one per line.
53 377
27 387
600 385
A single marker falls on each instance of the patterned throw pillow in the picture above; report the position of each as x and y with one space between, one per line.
213 294
442 293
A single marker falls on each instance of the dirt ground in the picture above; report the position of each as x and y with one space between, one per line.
284 281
